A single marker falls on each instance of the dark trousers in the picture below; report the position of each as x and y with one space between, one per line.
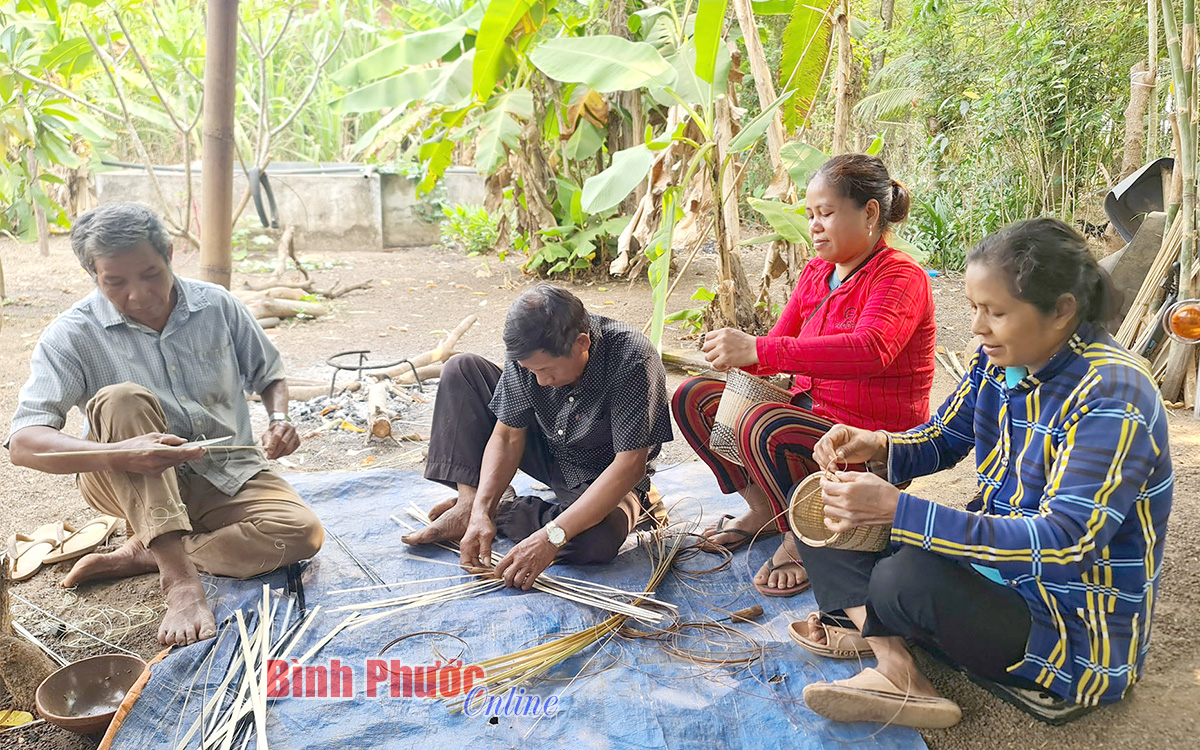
462 425
934 601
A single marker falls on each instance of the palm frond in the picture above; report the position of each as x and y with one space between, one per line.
890 104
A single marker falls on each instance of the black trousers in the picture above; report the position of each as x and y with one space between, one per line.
462 425
934 601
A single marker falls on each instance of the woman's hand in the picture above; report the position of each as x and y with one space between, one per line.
728 347
849 445
526 561
858 498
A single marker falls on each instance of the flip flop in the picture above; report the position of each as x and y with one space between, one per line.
28 552
14 718
840 642
870 696
791 591
83 540
745 536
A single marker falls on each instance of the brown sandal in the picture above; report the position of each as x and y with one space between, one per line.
840 642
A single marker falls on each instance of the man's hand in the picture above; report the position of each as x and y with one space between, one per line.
476 544
849 445
280 439
528 560
858 499
728 347
154 454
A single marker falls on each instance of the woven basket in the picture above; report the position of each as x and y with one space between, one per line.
742 391
806 517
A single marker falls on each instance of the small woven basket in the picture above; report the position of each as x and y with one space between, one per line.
806 517
742 391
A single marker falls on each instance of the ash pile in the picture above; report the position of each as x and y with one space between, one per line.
372 409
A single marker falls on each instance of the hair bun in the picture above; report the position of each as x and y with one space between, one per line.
901 201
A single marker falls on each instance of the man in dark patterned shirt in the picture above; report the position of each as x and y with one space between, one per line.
581 405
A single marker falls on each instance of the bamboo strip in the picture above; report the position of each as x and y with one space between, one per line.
1167 255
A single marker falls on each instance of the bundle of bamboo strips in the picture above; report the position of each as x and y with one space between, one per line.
590 594
242 693
504 673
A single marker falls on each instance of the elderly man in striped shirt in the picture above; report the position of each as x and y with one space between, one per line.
156 362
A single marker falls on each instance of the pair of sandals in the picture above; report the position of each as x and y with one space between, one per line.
54 543
868 695
743 538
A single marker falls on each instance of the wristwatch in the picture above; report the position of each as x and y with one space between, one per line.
556 535
280 416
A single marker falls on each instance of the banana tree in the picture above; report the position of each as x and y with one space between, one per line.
690 167
39 126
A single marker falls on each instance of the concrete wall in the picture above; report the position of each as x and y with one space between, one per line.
331 212
403 224
347 210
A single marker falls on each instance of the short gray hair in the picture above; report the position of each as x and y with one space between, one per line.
117 228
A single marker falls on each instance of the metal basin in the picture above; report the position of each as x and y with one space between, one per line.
83 697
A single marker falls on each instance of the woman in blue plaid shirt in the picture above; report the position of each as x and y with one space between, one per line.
1045 584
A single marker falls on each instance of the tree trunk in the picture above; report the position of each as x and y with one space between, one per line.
39 213
887 11
624 134
762 76
734 302
1140 87
842 137
216 178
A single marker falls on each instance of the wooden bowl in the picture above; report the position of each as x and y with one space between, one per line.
83 697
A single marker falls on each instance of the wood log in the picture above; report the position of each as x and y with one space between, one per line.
440 353
685 359
1177 364
268 307
1189 381
428 372
266 323
399 392
381 424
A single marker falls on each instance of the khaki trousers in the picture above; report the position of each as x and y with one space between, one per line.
263 527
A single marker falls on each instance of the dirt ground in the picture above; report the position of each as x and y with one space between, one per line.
417 295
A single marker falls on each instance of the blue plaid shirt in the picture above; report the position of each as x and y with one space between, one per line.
211 350
1075 486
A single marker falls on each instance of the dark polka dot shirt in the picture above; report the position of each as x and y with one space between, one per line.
620 404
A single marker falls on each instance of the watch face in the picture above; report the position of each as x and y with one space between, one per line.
557 535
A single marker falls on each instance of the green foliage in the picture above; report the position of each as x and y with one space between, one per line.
570 248
471 229
605 63
934 228
806 50
692 318
1005 113
605 191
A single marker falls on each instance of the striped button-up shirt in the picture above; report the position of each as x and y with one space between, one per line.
1075 486
210 350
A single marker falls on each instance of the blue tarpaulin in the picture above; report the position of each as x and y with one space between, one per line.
633 693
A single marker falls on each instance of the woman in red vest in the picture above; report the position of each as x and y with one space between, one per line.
857 335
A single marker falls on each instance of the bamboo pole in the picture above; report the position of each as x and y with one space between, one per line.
1153 124
216 179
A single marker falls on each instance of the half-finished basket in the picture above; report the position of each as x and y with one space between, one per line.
742 391
806 517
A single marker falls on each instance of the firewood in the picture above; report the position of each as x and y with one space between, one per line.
428 372
269 307
381 424
266 323
440 353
